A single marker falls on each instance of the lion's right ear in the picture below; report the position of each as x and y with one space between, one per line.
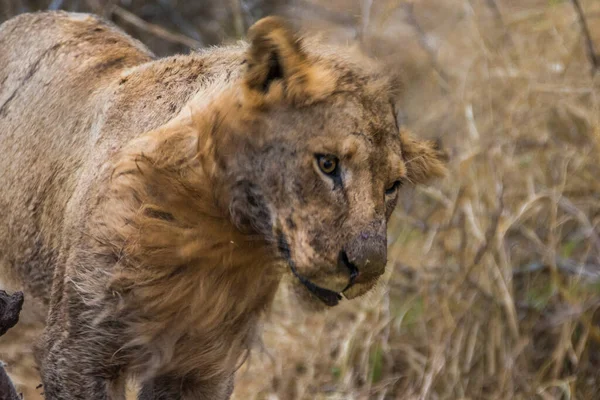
424 159
278 68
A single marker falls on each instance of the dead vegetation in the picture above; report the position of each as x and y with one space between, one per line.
495 290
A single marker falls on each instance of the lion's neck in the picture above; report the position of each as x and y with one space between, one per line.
194 283
208 309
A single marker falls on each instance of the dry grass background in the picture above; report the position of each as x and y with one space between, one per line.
494 290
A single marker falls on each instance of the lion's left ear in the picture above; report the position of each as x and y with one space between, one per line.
424 159
279 68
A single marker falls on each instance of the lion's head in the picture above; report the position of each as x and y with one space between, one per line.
317 160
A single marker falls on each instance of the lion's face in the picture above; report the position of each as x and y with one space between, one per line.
337 184
318 164
330 188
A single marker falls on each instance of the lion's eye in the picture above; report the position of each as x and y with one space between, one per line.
328 164
392 189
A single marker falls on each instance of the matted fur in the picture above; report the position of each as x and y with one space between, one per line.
155 205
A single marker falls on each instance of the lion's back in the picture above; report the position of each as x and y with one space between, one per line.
61 45
54 69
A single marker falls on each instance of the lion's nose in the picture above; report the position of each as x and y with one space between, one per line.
368 253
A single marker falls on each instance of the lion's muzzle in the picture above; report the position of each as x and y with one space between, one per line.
327 296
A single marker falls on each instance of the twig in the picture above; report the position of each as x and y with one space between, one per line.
102 7
588 38
238 18
589 272
321 11
184 26
493 5
55 4
155 30
365 6
492 230
422 36
490 235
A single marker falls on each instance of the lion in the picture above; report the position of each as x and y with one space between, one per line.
151 207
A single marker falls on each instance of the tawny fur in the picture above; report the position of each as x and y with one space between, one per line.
151 207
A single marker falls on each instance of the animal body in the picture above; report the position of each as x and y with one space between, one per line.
150 207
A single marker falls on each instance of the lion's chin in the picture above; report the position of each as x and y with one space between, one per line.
311 303
306 300
359 289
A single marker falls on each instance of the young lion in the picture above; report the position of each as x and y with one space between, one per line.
151 206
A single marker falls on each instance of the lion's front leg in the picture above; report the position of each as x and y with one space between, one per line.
68 373
63 379
78 352
172 388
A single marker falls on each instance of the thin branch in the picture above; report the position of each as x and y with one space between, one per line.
321 11
493 5
155 30
238 18
588 38
490 234
422 36
588 271
55 4
365 6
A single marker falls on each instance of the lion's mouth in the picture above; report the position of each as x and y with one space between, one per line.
327 296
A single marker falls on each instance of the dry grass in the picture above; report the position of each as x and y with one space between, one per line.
495 288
